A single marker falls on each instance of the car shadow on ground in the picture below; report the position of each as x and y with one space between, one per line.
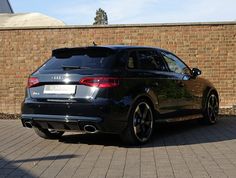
11 168
46 158
168 134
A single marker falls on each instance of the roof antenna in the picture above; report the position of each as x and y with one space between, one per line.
94 44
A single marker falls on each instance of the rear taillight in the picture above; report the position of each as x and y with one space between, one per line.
100 82
32 81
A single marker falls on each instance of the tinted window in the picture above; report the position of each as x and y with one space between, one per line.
145 59
132 62
150 60
175 64
95 60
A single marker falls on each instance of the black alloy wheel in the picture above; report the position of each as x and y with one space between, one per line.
212 109
140 126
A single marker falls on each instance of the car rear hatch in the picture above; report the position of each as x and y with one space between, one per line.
73 73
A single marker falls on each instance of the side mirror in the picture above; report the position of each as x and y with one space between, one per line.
196 72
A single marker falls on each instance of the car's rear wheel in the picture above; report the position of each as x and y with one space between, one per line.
48 133
140 123
211 109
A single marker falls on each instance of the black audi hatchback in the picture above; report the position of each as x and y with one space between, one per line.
115 89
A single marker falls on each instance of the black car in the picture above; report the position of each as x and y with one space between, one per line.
115 89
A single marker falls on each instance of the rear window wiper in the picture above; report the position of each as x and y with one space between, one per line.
73 67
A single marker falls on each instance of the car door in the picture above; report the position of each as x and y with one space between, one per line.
188 87
162 82
148 69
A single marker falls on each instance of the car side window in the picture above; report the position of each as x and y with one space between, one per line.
150 60
132 62
175 64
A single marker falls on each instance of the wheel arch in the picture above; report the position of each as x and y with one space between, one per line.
150 99
128 134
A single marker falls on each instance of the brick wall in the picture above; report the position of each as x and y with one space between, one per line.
209 46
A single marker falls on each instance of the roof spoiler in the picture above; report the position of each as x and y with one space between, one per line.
91 51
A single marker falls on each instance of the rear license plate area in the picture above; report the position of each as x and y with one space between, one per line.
59 89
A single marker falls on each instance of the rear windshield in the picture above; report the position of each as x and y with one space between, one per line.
92 58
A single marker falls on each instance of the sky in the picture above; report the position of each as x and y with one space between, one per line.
82 12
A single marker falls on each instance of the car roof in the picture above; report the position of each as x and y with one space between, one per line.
115 47
130 47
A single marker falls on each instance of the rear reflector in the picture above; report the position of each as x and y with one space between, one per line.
100 82
32 82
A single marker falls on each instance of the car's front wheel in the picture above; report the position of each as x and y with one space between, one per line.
140 123
48 133
211 109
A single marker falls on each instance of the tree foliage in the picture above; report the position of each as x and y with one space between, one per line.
101 17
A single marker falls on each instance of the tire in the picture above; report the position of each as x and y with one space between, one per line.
140 123
211 110
48 134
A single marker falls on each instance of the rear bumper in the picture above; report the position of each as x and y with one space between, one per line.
59 122
105 116
71 123
59 118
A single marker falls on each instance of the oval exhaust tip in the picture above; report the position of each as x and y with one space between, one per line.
28 124
90 129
